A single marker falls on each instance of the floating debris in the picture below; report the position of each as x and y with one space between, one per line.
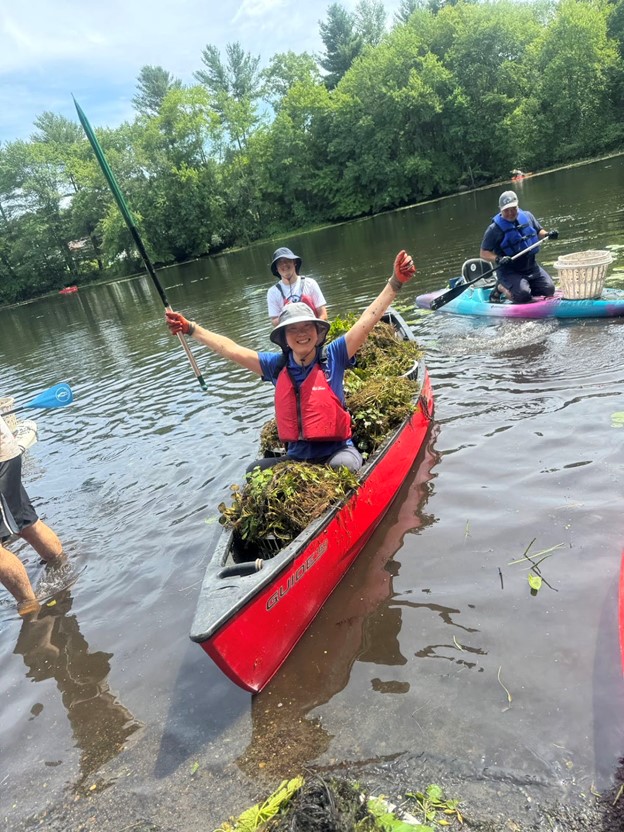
502 685
336 805
536 579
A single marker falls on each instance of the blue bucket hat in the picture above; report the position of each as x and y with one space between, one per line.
288 254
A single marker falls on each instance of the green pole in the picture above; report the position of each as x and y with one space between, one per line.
134 231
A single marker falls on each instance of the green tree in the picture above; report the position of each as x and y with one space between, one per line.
35 249
9 274
181 205
235 87
284 71
341 41
405 10
385 140
571 66
153 84
289 156
484 47
66 148
370 21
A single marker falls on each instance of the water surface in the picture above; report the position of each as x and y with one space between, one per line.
416 655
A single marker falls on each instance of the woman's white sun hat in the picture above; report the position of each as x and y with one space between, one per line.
297 313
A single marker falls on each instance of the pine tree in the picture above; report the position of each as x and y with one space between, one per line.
342 43
153 84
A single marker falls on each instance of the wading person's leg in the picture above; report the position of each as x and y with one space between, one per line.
43 540
15 579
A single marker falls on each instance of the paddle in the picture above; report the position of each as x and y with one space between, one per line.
59 395
134 231
445 297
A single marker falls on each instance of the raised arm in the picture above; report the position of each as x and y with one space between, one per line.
215 342
404 270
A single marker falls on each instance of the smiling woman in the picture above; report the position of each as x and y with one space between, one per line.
309 396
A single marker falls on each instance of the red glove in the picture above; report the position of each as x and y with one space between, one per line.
178 323
404 268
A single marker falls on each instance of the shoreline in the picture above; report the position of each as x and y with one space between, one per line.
314 229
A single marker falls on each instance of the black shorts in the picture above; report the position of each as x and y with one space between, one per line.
16 511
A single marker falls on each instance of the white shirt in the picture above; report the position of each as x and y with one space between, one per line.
9 447
276 301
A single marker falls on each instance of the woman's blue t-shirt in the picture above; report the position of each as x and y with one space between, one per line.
337 362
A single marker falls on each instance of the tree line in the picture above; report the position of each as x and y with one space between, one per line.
445 96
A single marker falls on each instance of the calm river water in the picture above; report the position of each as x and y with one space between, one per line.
110 712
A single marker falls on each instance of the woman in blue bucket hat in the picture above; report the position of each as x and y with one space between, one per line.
291 287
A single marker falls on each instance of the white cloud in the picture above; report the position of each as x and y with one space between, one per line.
258 8
95 50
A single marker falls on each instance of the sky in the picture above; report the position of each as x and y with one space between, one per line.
51 49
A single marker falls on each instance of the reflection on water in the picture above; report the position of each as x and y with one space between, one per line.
53 647
361 621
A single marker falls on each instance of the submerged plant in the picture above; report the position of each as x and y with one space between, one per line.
436 808
377 406
269 440
257 816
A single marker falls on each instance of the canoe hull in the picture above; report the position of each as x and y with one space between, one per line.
249 623
475 301
252 644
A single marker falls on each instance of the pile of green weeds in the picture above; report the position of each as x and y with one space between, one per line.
276 505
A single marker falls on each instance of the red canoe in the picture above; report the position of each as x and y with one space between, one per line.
68 290
249 623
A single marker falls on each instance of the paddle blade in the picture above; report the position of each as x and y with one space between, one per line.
58 396
103 163
448 296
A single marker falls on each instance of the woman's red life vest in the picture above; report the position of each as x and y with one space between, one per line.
313 412
302 298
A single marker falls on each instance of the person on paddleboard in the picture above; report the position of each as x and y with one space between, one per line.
308 378
18 517
510 232
291 287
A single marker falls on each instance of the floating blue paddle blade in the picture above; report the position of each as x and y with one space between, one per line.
57 396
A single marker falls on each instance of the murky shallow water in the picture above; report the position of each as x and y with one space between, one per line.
105 702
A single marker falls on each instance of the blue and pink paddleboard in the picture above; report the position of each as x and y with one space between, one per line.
475 301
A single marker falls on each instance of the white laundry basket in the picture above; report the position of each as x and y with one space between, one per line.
582 274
